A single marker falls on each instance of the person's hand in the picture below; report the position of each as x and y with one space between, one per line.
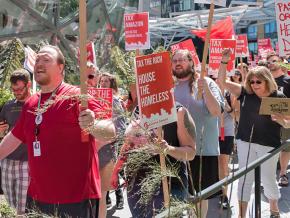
157 147
202 84
281 119
86 118
226 55
3 126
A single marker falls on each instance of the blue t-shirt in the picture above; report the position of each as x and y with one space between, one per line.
207 131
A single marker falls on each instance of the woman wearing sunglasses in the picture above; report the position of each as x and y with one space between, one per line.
257 134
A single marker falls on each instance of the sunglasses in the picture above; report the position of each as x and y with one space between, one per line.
237 73
272 62
91 76
255 82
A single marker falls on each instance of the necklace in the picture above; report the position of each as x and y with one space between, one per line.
39 117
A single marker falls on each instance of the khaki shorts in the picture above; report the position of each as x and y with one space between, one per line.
285 135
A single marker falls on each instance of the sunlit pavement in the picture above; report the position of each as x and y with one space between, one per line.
216 212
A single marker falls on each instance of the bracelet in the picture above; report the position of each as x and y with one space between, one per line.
224 62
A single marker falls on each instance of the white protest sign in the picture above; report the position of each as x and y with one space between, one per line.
283 26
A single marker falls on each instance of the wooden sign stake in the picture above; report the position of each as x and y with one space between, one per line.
163 169
205 48
83 57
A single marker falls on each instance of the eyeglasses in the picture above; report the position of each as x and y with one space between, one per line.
181 60
272 62
259 82
91 76
237 73
18 90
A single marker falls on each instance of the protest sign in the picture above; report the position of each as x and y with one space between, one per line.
136 30
104 97
188 44
215 55
91 54
283 26
242 49
215 2
264 46
275 105
155 90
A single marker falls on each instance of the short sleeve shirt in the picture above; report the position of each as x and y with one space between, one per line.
67 169
263 130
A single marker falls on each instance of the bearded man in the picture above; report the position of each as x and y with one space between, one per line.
205 112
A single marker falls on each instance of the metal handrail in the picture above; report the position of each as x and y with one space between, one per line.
229 179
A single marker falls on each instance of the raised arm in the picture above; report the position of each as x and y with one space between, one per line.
232 87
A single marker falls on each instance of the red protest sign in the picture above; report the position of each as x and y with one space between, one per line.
136 30
105 98
91 55
283 26
242 49
188 44
215 55
264 46
155 90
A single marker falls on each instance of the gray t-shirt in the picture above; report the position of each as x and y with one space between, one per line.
10 112
207 131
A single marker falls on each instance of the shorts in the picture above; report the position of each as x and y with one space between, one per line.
106 154
209 176
83 209
227 146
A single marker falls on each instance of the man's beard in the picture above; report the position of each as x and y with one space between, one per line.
184 73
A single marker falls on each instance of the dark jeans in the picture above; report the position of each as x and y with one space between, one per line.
154 205
85 209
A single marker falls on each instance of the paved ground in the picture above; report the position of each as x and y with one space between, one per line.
216 212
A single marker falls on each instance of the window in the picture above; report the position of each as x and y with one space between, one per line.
252 32
253 47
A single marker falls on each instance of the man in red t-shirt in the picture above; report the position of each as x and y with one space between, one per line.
63 170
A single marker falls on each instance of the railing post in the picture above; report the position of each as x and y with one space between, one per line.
258 192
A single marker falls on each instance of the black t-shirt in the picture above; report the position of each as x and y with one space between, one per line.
283 83
265 131
10 112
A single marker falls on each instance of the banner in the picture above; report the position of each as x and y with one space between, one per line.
283 26
104 96
215 2
30 57
264 46
188 44
155 90
136 30
221 29
242 48
215 55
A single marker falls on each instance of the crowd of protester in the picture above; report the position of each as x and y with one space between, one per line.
59 158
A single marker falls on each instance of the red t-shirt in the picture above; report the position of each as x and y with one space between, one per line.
67 169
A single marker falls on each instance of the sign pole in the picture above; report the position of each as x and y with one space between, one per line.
83 56
163 170
205 48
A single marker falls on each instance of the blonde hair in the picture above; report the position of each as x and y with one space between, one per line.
264 74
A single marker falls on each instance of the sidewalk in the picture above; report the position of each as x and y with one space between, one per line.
216 212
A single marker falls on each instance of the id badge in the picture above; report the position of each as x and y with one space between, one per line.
36 149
